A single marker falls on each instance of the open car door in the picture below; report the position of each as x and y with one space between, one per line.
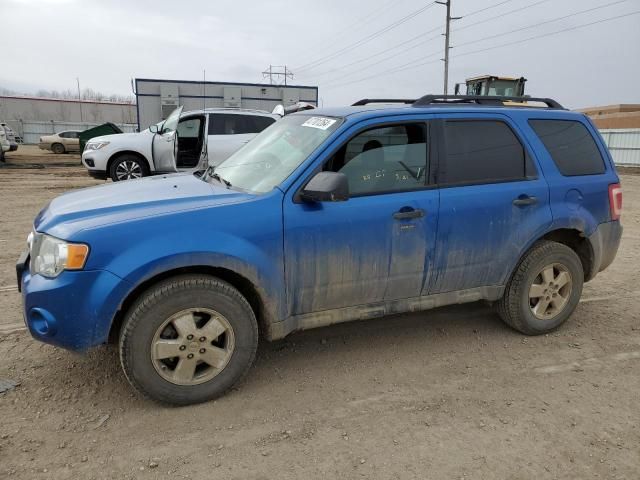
165 143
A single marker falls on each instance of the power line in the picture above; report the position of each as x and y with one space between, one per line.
501 15
486 8
360 23
364 40
412 65
399 68
342 67
541 23
550 33
378 62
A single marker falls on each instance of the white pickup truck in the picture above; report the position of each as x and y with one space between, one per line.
184 141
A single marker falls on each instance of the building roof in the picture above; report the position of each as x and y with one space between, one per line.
66 100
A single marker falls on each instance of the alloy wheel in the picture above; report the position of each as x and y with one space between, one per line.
192 346
128 169
550 291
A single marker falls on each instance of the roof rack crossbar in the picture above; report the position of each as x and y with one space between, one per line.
367 101
496 101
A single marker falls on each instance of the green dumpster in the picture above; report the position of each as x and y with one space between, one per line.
104 129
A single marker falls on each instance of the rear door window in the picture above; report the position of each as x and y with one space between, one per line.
228 124
570 145
482 151
259 123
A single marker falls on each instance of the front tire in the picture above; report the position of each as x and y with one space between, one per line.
188 340
544 290
128 167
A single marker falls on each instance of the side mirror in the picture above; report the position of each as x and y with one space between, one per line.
326 187
153 128
278 110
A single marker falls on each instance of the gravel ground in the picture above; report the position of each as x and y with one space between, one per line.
452 393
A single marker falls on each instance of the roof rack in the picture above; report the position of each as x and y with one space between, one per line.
367 101
494 101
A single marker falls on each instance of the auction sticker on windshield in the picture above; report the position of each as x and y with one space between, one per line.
319 122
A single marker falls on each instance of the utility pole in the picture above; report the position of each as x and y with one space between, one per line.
79 99
447 36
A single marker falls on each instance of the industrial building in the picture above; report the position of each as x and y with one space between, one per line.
614 116
156 98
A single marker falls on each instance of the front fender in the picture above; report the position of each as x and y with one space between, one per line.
229 236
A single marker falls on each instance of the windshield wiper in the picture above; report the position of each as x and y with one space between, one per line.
217 177
210 174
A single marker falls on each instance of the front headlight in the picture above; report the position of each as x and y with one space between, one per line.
95 145
50 256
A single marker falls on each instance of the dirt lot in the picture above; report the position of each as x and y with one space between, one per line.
445 394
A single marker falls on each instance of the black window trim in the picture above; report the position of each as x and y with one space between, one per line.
431 150
597 144
442 150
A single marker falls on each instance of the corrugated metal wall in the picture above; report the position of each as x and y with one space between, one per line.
31 131
624 145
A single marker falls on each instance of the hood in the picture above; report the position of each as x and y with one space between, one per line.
119 136
129 200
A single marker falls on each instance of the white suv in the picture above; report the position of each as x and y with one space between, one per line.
184 141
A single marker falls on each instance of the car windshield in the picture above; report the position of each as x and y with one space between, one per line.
274 153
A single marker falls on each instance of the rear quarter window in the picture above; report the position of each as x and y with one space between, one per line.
482 151
571 146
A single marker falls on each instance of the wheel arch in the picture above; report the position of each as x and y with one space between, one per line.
579 243
244 285
120 153
574 239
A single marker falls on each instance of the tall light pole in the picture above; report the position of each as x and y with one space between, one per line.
447 35
79 99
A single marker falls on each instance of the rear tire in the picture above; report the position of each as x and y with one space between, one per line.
58 148
188 340
128 167
544 290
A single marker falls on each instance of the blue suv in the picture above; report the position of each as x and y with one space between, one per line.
325 217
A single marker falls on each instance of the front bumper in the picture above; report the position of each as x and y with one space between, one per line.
95 161
72 311
97 174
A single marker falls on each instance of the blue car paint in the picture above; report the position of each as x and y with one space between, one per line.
353 253
304 258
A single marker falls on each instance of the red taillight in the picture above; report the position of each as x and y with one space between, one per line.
615 200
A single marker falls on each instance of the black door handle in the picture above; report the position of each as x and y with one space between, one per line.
405 214
524 200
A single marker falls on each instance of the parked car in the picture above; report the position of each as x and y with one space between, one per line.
62 142
325 217
188 141
5 146
11 136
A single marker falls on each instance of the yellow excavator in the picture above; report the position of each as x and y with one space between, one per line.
492 85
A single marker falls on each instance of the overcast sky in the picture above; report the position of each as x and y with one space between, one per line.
48 43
